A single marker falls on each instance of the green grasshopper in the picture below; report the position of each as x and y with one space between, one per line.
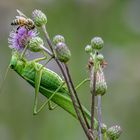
47 82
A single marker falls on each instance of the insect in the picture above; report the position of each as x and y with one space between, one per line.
47 83
22 20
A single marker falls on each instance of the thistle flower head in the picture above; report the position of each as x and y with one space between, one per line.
103 128
97 43
100 57
114 132
35 44
19 39
39 18
101 86
88 49
58 38
62 52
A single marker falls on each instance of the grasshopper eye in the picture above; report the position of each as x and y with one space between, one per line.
13 62
12 66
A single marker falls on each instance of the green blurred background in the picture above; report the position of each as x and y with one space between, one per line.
117 22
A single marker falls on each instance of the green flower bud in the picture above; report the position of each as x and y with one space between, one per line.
58 38
39 18
100 57
62 52
35 43
114 132
103 128
97 43
101 86
88 49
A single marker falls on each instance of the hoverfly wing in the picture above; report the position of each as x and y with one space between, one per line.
21 14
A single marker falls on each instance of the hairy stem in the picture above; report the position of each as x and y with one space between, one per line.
99 117
68 85
76 95
93 91
48 38
74 102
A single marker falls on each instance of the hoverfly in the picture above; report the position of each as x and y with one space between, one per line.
22 20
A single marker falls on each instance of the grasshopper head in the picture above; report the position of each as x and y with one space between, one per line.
14 60
16 63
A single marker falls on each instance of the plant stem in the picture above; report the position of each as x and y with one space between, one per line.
47 50
76 95
104 136
74 102
69 85
99 117
48 38
93 70
93 91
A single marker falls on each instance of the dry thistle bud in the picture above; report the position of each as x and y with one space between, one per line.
58 38
39 18
114 132
101 86
97 43
62 52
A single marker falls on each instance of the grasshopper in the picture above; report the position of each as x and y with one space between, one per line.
48 83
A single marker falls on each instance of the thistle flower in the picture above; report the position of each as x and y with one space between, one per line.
88 49
19 39
62 52
58 38
35 44
114 132
39 18
97 43
104 128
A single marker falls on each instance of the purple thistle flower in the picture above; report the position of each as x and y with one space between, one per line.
19 39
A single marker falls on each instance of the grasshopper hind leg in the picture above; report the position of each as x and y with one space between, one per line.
38 76
50 106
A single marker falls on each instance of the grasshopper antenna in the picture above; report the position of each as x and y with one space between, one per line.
4 80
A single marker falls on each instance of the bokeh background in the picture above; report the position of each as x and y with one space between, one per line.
118 23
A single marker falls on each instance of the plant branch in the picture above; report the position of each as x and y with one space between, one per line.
93 91
99 117
68 85
74 102
76 95
48 38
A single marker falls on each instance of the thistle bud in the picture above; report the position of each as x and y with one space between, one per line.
62 52
100 57
58 38
114 132
101 86
103 128
97 43
88 49
39 18
35 43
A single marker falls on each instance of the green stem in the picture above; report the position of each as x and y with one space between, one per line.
104 136
93 71
99 112
69 85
